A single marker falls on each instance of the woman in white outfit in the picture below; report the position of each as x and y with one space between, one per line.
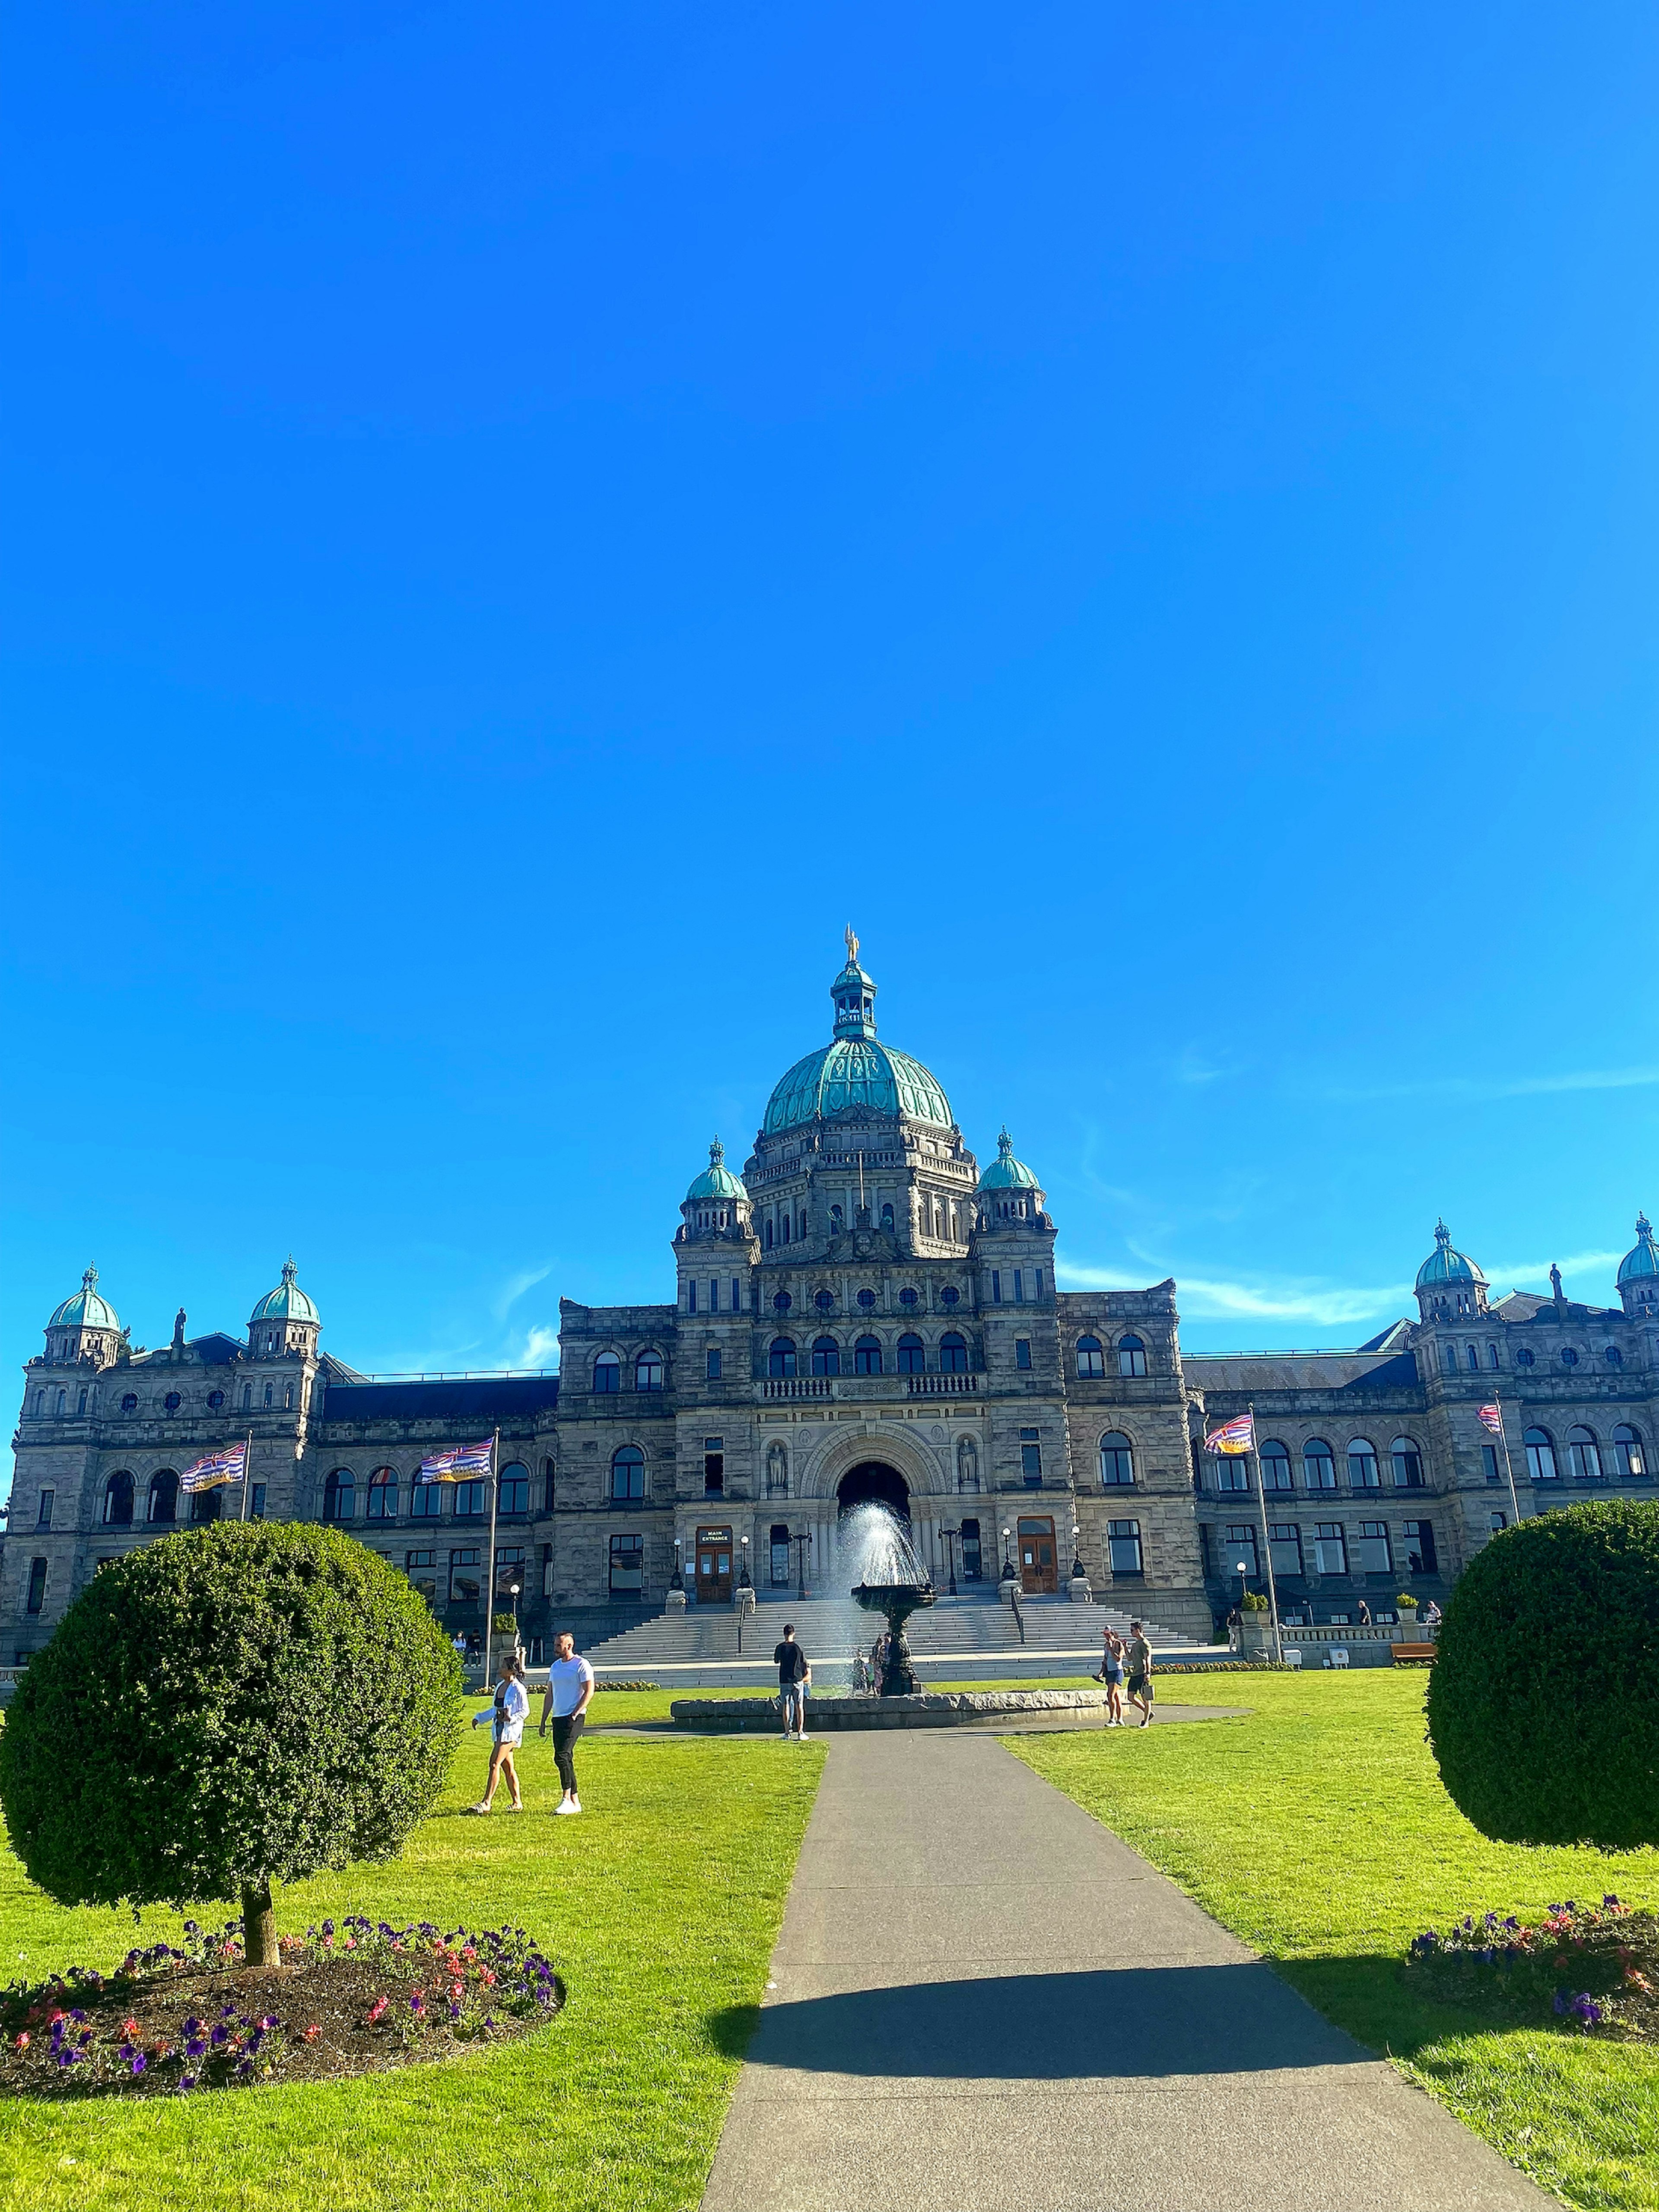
507 1718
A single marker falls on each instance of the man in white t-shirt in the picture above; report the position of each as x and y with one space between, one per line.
569 1687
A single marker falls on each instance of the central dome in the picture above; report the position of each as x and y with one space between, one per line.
855 1073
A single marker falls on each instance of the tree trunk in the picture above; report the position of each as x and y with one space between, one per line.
259 1926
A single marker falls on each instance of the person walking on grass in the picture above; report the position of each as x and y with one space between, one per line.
569 1687
1139 1660
507 1718
792 1672
1111 1674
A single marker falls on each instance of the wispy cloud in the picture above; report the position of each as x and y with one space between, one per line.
540 1349
1195 1066
515 1287
1538 1270
1518 1086
1210 1297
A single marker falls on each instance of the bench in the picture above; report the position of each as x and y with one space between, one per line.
1414 1654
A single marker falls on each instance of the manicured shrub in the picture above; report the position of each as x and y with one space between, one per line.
237 1704
1543 1701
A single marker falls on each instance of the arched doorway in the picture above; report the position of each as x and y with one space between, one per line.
874 1478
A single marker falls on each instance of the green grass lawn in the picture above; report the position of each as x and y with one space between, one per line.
659 1907
1319 1831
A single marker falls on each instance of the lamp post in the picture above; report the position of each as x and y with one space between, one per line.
1077 1553
805 1540
744 1582
1007 1564
512 1592
950 1536
676 1581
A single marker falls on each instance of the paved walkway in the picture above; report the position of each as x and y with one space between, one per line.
984 1999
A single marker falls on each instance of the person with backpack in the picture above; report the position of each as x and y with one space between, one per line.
793 1674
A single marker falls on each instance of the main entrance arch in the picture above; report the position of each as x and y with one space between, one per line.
874 1478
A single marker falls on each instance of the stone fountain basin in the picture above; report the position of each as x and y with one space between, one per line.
929 1709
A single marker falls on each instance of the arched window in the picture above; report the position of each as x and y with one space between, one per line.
1408 1463
1583 1459
1318 1466
952 1353
269 1395
912 1359
1361 1465
780 1357
1275 1465
383 1494
826 1356
628 1473
1117 1459
1091 1358
1627 1451
867 1356
887 1217
767 1234
1541 1455
340 1495
1131 1356
426 1499
164 1496
607 1372
647 1371
777 1471
247 1398
514 1495
117 1501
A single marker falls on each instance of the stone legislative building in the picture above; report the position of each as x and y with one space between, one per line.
864 1312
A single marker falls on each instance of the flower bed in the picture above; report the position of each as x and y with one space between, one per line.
1593 1970
354 1998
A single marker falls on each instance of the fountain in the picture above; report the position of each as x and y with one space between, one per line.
893 1582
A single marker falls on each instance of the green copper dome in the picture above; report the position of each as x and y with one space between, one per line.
1643 1260
288 1302
717 1180
1005 1172
1445 1266
854 1073
86 1309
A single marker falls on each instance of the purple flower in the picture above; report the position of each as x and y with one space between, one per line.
192 2025
196 2048
1560 2000
269 2021
138 2062
219 2035
1609 1899
188 2081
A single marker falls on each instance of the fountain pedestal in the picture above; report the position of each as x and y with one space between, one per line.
897 1601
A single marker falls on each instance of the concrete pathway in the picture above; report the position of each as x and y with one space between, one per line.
984 1999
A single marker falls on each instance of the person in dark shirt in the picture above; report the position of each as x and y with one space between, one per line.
791 1663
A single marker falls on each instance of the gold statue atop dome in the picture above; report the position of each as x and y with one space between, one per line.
852 947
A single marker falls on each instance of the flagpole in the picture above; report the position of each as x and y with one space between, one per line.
1267 1542
1508 1469
248 1461
489 1574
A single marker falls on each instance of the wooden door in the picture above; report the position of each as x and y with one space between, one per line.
1038 1575
713 1566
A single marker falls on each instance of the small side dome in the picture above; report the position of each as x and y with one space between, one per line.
1642 1261
288 1302
1005 1172
86 1309
1443 1265
717 1180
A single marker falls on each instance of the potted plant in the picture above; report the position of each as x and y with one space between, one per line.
1256 1627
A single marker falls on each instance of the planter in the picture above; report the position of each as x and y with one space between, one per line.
675 1601
1255 1633
1079 1590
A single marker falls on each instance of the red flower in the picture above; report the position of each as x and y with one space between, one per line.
377 2010
131 2030
23 2040
487 1979
313 2032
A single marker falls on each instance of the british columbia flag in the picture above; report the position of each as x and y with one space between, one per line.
1233 1437
1490 1416
218 1466
457 1463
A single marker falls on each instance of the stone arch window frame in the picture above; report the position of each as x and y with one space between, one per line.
910 1354
1629 1451
339 1484
952 1353
1317 1453
1132 1362
514 1476
1539 1445
1367 1476
869 1356
162 1491
650 1369
782 1358
1406 1463
1089 1354
382 1490
1583 1453
1274 1452
607 1361
630 1462
114 1493
1114 1460
824 1355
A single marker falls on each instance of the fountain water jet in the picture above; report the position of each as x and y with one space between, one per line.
892 1581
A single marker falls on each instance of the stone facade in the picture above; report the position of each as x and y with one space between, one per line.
862 1314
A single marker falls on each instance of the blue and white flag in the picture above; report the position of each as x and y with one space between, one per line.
219 1467
457 1463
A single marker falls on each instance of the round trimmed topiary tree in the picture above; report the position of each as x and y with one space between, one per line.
239 1705
1543 1701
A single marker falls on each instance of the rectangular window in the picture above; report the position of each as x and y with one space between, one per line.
1232 1471
422 1568
714 1467
1284 1546
470 1501
1471 1353
43 1516
714 1294
549 1485
1019 1286
509 1570
1240 1545
1330 1548
1489 1462
692 1295
1022 1352
1031 1458
1372 1555
1492 1355
1497 1521
996 1286
1123 1547
627 1566
737 1295
714 1366
426 1500
1449 1359
1419 1547
466 1578
206 1504
256 1503
36 1597
1036 1277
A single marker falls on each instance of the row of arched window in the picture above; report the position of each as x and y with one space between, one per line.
1091 1358
1319 1465
647 1371
1588 1459
468 1500
826 1356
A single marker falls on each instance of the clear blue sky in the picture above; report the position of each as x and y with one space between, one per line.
525 520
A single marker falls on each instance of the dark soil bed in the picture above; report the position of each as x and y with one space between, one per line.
351 1999
1589 1970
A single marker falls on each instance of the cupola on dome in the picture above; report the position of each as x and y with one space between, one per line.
1443 1265
717 1180
288 1302
1005 1172
1641 1259
86 1309
855 1073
